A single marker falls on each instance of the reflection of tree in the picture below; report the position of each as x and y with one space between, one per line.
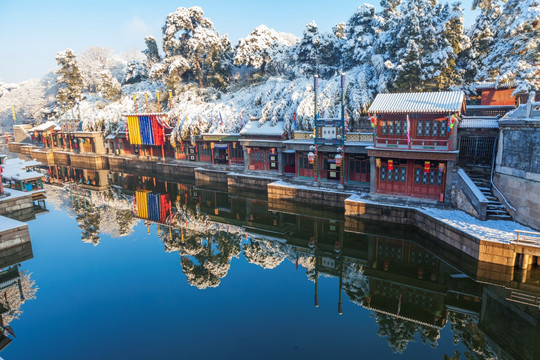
124 221
465 329
355 284
398 332
266 253
206 248
12 300
88 217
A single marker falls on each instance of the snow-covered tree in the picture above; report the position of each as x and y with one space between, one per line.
192 49
317 53
109 87
515 53
260 48
481 36
69 78
151 51
361 34
135 73
92 62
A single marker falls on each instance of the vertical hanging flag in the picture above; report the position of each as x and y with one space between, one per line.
220 119
346 116
294 120
241 119
408 130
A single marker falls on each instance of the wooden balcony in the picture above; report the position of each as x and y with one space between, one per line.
413 144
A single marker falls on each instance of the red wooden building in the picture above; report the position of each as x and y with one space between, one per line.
415 143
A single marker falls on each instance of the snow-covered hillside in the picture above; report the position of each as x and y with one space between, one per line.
410 45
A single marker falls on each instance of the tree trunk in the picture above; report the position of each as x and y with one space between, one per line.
199 73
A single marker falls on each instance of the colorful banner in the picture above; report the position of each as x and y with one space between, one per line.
152 206
145 130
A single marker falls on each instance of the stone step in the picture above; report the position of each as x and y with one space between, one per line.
496 211
496 207
499 217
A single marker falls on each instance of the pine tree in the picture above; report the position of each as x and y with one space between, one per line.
360 32
109 87
515 53
151 51
317 53
409 70
192 49
69 78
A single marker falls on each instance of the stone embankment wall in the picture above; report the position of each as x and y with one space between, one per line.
517 171
14 237
19 208
480 249
323 197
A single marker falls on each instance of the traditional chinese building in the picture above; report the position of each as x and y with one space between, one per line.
415 144
263 146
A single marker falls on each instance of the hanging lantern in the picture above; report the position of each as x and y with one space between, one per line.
338 159
273 150
82 141
216 211
249 150
427 166
378 162
211 145
373 121
234 145
390 165
311 157
441 167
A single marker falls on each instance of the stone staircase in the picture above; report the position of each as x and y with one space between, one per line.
495 209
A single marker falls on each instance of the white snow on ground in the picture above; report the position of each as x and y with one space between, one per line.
490 230
8 224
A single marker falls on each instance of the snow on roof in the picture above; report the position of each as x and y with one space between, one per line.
266 129
469 122
17 163
427 102
49 125
494 85
520 112
21 175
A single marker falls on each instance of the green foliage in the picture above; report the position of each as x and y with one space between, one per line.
69 78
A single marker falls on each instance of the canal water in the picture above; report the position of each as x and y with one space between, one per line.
148 269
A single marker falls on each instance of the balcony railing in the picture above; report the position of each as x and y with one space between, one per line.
413 144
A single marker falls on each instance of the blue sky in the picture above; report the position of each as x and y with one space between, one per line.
33 31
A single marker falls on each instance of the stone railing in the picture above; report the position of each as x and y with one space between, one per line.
478 200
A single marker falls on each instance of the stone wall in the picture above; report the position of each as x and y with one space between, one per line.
14 237
523 195
88 161
45 157
323 197
480 249
62 158
210 176
517 171
18 207
18 253
240 181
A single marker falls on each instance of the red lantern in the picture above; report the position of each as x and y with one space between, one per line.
427 166
390 165
338 159
249 150
373 121
311 158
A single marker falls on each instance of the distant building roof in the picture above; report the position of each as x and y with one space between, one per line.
255 128
427 102
494 85
474 122
49 125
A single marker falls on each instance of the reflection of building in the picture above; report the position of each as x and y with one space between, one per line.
15 286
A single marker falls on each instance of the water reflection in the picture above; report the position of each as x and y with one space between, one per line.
412 292
16 287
